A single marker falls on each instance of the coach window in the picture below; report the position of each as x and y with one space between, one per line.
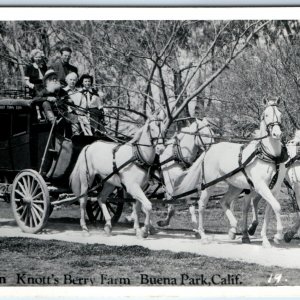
4 126
19 123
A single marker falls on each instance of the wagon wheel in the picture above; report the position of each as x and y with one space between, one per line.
30 201
114 206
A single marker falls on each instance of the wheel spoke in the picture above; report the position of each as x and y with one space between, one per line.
20 193
36 213
33 216
39 201
25 185
22 188
26 215
98 211
35 189
33 186
30 217
38 208
19 208
29 184
111 209
38 195
23 213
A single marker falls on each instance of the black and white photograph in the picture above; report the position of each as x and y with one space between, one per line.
150 152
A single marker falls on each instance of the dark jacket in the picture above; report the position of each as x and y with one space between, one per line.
63 70
33 74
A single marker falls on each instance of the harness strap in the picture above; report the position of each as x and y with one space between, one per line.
178 156
87 172
217 180
292 160
171 158
116 171
243 168
233 172
114 151
275 177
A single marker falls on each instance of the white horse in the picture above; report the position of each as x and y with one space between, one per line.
224 158
104 158
181 151
293 179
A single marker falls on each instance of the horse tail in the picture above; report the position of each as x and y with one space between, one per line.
78 175
190 178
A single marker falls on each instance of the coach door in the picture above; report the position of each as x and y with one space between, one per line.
20 146
5 145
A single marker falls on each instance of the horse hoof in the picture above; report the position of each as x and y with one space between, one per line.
197 235
138 233
144 233
107 229
252 228
288 236
152 230
86 232
276 241
278 237
232 233
266 244
162 223
204 241
245 240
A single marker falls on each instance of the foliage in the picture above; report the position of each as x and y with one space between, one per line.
219 69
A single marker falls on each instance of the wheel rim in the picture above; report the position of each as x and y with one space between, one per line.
30 201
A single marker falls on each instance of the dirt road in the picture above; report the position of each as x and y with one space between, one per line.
285 255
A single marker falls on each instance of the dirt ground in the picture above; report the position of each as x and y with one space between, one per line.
62 249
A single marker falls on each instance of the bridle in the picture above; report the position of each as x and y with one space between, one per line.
160 138
270 125
199 136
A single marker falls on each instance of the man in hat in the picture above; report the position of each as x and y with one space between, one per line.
51 93
63 67
91 102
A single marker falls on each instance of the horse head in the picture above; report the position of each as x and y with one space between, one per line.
157 132
271 118
204 134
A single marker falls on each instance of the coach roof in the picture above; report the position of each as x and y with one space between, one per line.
16 102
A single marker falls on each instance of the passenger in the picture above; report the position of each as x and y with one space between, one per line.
75 116
92 102
62 66
35 71
51 93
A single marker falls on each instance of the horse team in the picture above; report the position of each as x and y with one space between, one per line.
259 166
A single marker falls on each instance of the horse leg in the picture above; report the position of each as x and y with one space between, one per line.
83 201
225 202
254 224
168 191
202 202
106 191
137 193
170 214
192 210
291 232
246 206
266 193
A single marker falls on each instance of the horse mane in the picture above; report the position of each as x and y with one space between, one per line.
138 133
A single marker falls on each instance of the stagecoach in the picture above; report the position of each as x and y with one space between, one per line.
36 159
